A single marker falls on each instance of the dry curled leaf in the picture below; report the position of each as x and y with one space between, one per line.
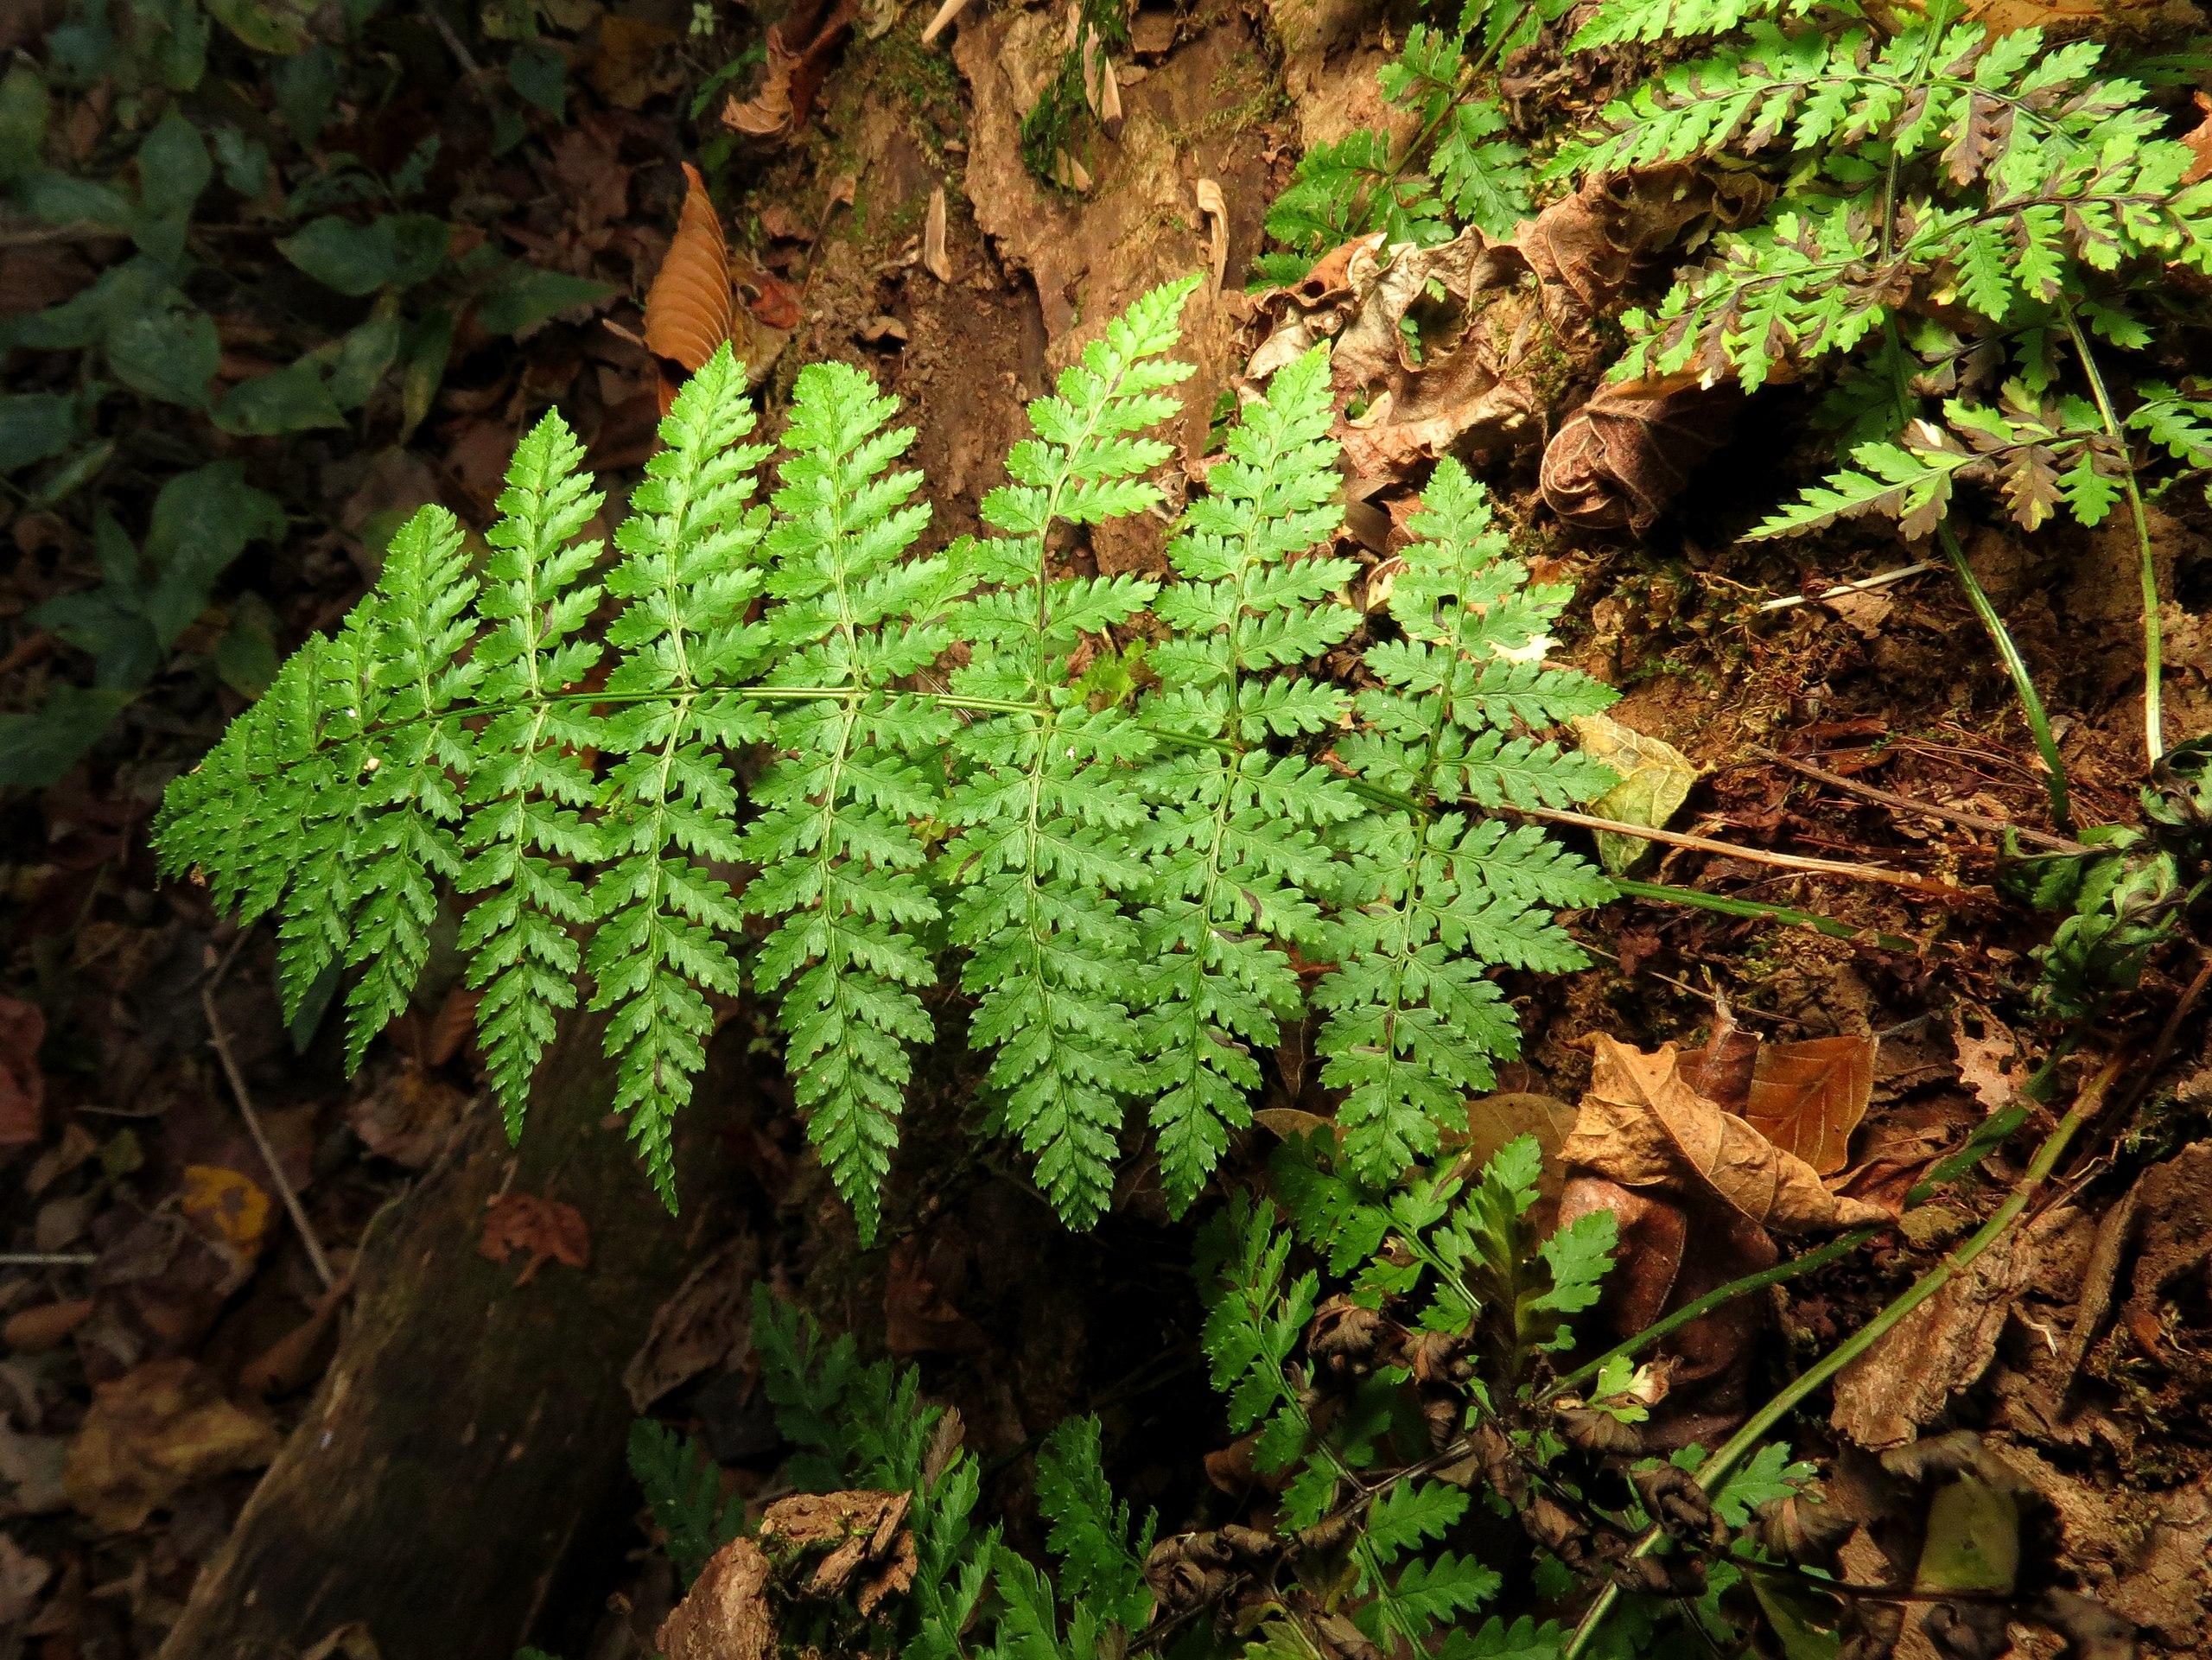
689 310
543 1229
725 1615
1584 248
1642 1125
2199 140
1619 461
152 1432
1214 212
795 71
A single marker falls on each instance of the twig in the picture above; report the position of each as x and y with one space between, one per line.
1790 601
47 1258
472 71
1903 879
220 1042
943 21
1925 808
1746 1439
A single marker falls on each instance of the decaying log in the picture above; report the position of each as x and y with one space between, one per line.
469 1434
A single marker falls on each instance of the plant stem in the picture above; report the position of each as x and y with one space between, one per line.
1904 879
1697 1308
1755 1429
2017 667
2154 723
1729 905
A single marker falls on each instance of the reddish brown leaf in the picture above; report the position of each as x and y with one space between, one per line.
1806 1097
2199 140
688 307
545 1229
22 1086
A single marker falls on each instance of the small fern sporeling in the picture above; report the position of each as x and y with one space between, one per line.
768 745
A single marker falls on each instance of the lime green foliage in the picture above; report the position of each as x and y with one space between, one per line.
187 145
1118 872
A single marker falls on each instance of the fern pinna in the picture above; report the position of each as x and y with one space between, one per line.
765 743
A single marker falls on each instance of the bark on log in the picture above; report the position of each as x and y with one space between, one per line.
470 1431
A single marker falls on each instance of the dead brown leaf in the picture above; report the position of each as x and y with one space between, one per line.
706 1323
47 1325
799 50
152 1432
1808 1097
1990 1062
2199 140
1619 463
22 1576
869 1549
1214 211
545 1229
725 1615
22 1086
225 1206
917 1317
1586 248
635 60
689 309
1642 1125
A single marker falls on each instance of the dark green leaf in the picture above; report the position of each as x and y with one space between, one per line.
174 168
423 351
356 360
34 425
292 399
306 89
24 106
539 75
396 249
170 355
266 25
524 294
244 161
202 521
59 199
37 748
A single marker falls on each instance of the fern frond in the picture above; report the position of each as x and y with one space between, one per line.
1102 1552
664 920
530 784
1414 1023
1041 858
1238 862
838 858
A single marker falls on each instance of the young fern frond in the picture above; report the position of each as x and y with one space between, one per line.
1043 860
840 865
1437 895
1236 850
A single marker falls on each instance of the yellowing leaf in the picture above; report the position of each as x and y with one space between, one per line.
1655 780
226 1206
152 1432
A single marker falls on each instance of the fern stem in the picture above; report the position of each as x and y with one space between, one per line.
1842 1245
1904 879
1729 905
1745 1441
2016 666
2154 724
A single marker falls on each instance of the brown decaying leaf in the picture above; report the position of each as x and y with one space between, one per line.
152 1432
689 309
2199 140
918 1318
725 1615
1805 1097
22 1086
1641 1124
1584 248
708 1321
45 1325
935 260
1619 461
545 1229
795 71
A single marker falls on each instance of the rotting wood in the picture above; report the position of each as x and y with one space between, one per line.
468 1435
